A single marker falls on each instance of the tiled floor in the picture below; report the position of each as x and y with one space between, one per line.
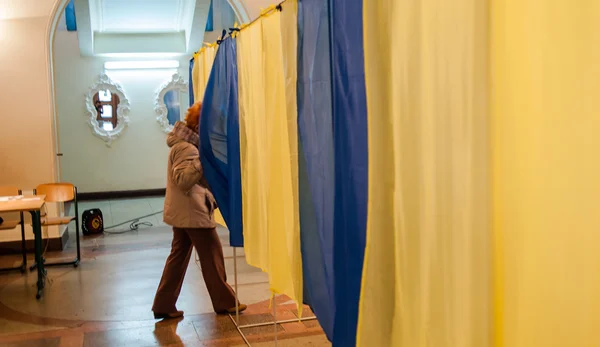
107 300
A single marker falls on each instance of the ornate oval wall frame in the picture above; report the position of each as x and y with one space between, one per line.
104 83
176 83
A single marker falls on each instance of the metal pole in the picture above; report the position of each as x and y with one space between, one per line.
240 331
295 320
275 318
235 280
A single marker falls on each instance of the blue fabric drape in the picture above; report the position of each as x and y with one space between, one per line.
190 83
316 179
70 17
351 164
220 140
209 20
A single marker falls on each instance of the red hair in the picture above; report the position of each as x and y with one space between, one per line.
192 118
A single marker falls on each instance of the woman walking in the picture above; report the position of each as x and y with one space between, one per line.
189 207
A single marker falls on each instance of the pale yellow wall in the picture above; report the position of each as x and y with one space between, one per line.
26 141
26 135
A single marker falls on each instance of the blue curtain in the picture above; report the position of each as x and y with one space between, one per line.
220 140
190 83
351 164
315 166
70 17
209 20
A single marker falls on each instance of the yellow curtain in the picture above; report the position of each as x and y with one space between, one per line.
203 62
195 77
546 172
268 145
219 218
426 279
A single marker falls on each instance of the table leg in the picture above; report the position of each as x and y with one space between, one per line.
37 232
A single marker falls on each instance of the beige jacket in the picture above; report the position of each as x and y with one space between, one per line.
188 202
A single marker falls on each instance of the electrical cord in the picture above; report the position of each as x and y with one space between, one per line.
135 224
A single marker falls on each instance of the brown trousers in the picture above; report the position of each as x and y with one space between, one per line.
210 252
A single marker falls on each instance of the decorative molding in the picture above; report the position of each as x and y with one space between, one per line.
175 83
103 83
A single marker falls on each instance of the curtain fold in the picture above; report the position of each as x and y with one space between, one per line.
316 182
546 79
219 140
427 267
269 148
351 164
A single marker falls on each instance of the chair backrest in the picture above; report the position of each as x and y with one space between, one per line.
9 191
56 192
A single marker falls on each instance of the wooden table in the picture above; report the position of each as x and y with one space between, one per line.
32 204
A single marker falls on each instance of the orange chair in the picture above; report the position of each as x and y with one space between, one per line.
12 223
61 193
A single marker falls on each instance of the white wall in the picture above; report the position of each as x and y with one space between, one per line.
255 6
137 159
223 18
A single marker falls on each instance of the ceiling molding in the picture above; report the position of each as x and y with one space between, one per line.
84 27
181 16
196 38
123 27
100 14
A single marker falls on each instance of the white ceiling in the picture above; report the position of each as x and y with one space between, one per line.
140 16
140 26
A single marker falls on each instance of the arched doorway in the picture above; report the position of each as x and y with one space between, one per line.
238 6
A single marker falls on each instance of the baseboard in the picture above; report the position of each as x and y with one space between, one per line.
54 244
120 194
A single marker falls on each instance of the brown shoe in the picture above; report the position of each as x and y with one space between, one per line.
176 314
241 308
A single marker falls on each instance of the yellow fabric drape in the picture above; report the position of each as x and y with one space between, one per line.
546 170
219 218
426 279
195 77
203 63
268 148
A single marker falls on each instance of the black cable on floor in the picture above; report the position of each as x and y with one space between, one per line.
135 224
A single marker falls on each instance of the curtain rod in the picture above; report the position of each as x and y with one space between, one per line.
265 12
